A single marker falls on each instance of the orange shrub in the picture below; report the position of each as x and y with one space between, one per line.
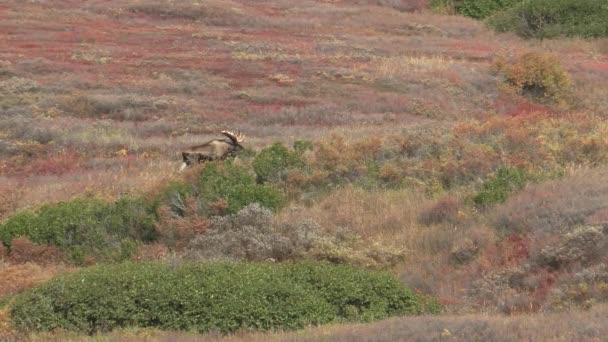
534 74
176 231
6 329
10 194
155 251
23 250
18 278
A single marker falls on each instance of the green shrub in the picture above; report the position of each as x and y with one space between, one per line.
235 185
301 146
478 9
84 227
552 18
205 297
271 163
498 188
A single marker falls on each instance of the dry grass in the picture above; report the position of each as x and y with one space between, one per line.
391 219
406 65
556 206
127 177
572 326
18 278
373 215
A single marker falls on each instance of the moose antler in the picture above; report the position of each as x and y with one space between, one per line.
237 138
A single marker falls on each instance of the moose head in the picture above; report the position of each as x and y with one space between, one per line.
216 149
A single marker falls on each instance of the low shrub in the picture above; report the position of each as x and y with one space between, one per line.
498 188
155 251
202 297
301 146
582 246
555 206
249 235
400 5
176 230
113 106
478 9
345 247
23 250
252 235
84 227
173 195
552 18
463 252
536 75
580 290
209 12
235 185
17 91
446 209
272 163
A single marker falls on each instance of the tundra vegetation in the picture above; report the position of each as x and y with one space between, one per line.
402 158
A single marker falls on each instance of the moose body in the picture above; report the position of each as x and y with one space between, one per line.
216 149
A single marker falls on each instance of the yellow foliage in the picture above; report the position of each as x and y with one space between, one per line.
538 75
6 329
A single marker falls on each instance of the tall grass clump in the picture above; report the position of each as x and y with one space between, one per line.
205 297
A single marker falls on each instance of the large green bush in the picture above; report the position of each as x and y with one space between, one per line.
552 18
205 297
235 185
84 227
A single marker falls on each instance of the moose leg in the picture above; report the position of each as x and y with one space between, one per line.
186 161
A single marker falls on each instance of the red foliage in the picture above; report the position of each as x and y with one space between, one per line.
508 253
89 260
598 217
54 164
519 106
413 5
547 281
23 250
464 46
155 251
176 231
10 195
599 66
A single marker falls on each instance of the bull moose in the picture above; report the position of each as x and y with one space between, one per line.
216 149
